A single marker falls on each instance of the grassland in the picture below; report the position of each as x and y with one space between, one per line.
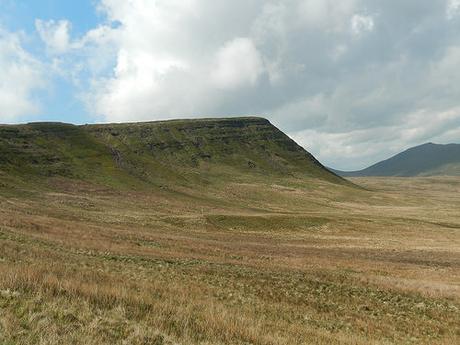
255 260
216 232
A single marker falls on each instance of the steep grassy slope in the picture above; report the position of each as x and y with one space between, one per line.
158 153
424 160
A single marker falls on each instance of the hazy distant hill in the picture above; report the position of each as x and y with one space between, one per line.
424 160
155 153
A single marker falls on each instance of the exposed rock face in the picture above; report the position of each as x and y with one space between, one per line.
154 150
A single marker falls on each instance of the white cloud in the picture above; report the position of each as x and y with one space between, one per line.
361 24
453 8
56 35
187 58
238 64
170 62
22 75
328 15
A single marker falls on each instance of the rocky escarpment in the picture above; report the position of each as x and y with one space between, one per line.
240 142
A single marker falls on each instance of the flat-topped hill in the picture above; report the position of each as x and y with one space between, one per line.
178 151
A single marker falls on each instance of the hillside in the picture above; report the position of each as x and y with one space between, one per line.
424 160
155 153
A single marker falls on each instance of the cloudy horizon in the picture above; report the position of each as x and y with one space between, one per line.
354 81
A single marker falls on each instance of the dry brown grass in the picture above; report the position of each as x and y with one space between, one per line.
287 262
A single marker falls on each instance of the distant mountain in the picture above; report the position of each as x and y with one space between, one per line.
424 160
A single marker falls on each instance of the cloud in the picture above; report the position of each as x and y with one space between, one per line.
328 15
361 24
453 8
55 34
354 78
175 59
238 63
22 75
369 145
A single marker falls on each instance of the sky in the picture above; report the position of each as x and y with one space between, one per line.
353 81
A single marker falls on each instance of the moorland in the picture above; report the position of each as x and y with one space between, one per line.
216 232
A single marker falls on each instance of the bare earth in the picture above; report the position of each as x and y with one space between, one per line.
243 263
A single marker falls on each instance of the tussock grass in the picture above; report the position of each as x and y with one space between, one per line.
216 232
292 262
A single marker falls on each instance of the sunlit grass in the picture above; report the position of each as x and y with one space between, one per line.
292 262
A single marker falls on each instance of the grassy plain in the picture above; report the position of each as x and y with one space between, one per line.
257 261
